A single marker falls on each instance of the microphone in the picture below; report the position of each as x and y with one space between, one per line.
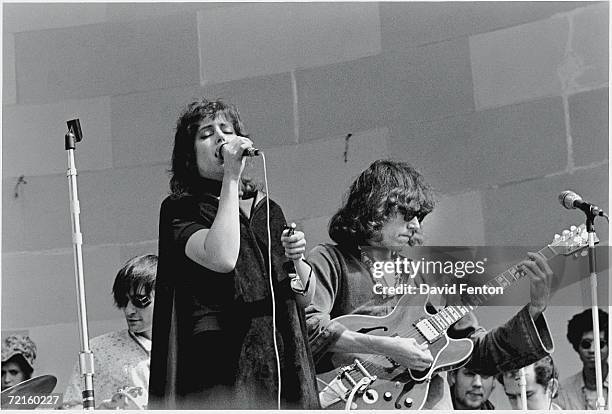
571 200
248 152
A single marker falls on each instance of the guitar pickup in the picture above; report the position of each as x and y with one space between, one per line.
427 330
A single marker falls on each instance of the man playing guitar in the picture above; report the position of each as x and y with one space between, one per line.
384 209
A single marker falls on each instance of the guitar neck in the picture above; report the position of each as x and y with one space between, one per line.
451 314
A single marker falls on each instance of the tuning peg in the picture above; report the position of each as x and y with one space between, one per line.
557 237
577 240
573 229
566 234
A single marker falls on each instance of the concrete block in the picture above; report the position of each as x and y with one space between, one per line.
24 17
406 24
47 278
485 148
40 217
116 11
116 206
106 59
33 137
315 230
265 104
518 63
275 38
588 113
590 45
340 99
9 79
529 214
428 82
134 199
144 124
456 221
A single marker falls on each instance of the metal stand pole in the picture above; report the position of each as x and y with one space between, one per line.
523 385
86 363
601 402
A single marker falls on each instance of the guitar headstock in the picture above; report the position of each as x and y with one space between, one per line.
571 240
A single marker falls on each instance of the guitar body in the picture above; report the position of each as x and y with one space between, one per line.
395 387
377 382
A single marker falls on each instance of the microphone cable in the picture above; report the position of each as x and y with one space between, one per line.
276 352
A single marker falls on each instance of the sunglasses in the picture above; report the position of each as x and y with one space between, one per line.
420 216
139 301
586 343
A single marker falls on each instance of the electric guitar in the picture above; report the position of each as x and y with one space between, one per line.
377 382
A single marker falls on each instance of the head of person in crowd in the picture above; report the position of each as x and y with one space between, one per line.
469 390
384 207
18 356
542 379
134 293
196 154
580 335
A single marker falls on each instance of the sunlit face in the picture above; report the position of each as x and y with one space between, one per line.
586 349
211 134
470 390
539 397
139 320
397 233
11 374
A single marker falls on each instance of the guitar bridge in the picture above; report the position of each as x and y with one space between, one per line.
345 373
336 390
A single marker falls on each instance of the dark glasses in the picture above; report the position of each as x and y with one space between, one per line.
586 343
139 301
420 216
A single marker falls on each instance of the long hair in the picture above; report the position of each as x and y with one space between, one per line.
185 177
384 189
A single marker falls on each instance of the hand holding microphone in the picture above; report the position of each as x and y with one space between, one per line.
232 153
294 242
249 151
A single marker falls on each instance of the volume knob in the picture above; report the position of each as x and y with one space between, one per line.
387 396
408 402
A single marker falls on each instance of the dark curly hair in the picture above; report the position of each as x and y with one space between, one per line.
385 188
185 177
138 272
583 322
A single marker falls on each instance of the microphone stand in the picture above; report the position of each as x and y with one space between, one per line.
86 363
523 385
590 217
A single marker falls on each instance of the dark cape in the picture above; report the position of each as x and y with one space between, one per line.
240 304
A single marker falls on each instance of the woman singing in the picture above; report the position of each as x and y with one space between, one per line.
213 342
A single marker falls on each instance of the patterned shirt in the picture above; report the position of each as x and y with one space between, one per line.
121 359
574 395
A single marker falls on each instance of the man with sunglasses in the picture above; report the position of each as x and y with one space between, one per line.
382 214
579 392
122 358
